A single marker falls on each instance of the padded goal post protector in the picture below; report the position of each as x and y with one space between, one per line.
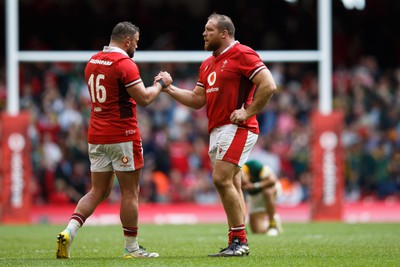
16 169
327 166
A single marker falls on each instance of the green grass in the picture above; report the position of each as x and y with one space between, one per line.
314 244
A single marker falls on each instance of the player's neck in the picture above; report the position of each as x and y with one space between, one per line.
115 44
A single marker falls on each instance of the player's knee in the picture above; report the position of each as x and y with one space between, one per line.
106 194
97 196
221 182
270 190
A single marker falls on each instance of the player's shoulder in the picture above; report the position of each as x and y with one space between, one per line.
119 57
207 61
244 48
266 171
107 58
245 53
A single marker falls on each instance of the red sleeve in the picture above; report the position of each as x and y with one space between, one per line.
129 72
251 63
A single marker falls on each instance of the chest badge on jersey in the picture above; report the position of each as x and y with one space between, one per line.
224 64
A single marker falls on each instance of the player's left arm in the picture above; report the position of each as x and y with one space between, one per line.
266 87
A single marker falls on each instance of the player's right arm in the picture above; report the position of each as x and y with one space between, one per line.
194 99
145 95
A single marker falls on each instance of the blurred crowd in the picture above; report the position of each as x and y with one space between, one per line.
366 88
175 139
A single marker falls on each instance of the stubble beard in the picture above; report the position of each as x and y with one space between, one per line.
130 52
211 46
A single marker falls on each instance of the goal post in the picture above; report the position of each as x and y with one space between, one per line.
322 56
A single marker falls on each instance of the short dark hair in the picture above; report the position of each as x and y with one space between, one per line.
224 23
122 30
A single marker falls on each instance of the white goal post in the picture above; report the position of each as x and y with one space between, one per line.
322 56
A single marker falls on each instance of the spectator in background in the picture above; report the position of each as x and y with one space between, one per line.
298 85
348 97
262 153
178 188
204 191
148 188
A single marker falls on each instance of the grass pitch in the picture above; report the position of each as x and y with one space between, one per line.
313 244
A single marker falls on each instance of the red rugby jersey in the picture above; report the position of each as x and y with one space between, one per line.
113 112
226 79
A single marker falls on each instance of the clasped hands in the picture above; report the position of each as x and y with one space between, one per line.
164 78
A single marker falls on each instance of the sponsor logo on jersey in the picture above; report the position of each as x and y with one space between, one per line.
212 77
101 62
212 89
97 109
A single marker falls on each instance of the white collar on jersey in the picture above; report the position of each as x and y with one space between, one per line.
109 49
229 47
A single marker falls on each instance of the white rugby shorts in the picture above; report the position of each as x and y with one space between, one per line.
125 156
231 143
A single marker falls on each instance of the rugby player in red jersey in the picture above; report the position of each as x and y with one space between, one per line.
114 141
227 87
